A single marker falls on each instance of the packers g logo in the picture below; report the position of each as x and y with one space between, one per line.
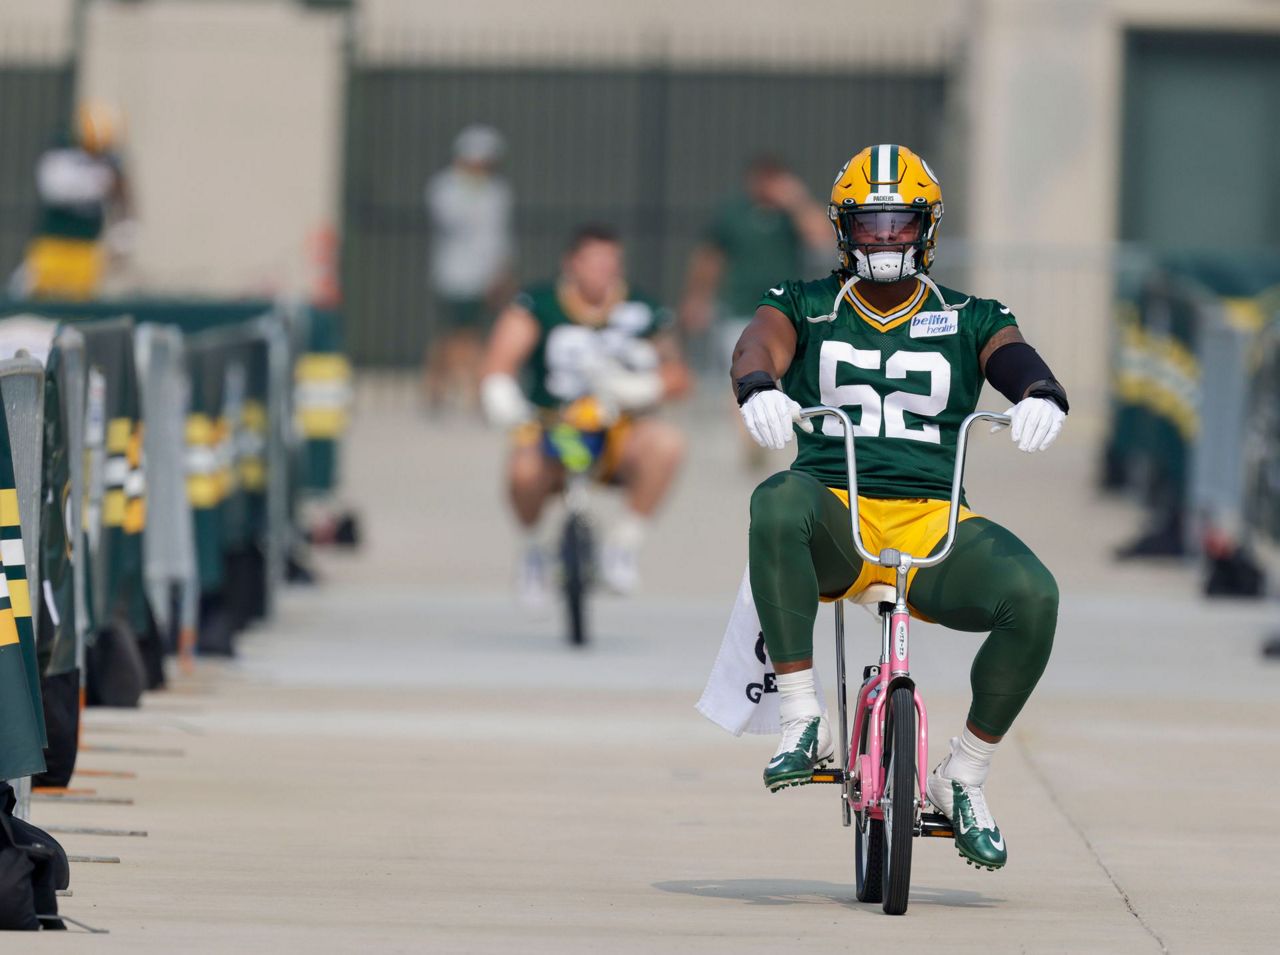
756 691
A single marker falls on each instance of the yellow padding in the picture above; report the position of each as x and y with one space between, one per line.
254 416
9 507
113 508
135 516
322 422
322 366
118 432
134 452
200 429
8 628
19 598
253 474
204 490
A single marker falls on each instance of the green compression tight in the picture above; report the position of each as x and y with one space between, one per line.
800 547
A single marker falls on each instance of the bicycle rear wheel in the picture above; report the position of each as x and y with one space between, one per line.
900 800
575 557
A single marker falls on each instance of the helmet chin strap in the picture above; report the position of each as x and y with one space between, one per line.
855 278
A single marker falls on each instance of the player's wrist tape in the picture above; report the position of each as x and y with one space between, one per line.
1051 390
1016 369
751 383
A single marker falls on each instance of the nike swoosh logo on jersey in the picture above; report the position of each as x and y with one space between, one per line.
774 291
1004 311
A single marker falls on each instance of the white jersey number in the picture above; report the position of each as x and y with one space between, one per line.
572 351
891 412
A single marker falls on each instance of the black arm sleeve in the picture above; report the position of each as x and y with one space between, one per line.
1016 370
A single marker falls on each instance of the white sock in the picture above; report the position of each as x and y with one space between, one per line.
798 699
628 531
530 539
970 759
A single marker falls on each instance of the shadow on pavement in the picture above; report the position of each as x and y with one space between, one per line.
811 891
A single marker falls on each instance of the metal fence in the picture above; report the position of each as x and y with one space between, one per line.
650 147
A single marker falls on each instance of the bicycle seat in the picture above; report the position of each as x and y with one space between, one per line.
871 596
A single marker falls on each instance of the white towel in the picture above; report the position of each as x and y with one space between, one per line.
742 692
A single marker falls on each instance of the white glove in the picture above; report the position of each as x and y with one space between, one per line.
1036 423
769 416
626 389
504 404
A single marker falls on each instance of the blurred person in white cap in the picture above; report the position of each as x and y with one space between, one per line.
469 207
86 219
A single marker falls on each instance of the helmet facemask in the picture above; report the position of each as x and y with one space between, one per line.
886 243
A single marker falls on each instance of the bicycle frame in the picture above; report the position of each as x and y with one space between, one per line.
863 785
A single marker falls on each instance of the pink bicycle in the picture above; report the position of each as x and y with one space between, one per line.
884 775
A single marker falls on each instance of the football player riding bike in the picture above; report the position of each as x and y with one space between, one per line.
906 359
600 357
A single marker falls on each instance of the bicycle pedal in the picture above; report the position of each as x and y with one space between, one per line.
827 776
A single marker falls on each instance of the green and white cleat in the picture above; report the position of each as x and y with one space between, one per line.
978 838
806 745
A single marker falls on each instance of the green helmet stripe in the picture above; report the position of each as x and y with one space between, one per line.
894 175
875 166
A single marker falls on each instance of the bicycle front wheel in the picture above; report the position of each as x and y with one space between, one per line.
575 557
869 840
899 799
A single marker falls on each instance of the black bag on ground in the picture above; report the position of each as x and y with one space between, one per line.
116 674
33 867
216 632
1236 573
151 646
61 695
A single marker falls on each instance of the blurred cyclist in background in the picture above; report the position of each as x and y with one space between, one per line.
469 207
599 356
85 214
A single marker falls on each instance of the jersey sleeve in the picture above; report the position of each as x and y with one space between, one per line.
785 297
991 316
534 299
525 299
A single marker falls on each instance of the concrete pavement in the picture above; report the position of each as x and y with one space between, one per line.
405 762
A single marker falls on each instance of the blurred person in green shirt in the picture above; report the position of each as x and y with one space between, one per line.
772 226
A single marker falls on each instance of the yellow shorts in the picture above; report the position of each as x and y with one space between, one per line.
64 268
606 465
912 525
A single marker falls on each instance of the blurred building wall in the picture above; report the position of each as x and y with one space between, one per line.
234 119
233 135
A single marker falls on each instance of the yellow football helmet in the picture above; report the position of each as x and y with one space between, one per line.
885 207
97 126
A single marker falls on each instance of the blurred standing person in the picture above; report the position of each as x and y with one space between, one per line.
772 224
85 211
469 207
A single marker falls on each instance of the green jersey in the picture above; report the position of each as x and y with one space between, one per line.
906 379
559 369
755 240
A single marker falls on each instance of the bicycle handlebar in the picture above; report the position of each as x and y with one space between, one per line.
889 556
